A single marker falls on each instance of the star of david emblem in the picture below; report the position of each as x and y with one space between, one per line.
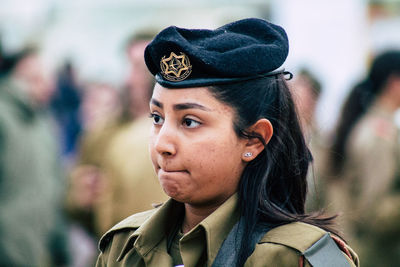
175 68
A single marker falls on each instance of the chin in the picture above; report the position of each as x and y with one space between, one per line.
171 189
177 195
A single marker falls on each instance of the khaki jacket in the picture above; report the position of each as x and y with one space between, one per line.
140 240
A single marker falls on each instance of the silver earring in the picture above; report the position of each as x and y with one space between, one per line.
248 154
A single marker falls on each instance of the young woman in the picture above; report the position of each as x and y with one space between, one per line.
228 149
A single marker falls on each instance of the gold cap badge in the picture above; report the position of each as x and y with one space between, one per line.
175 68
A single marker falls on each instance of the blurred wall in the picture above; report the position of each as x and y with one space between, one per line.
330 38
93 32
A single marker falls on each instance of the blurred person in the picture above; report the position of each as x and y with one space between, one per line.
32 225
365 164
65 104
139 83
132 185
113 154
306 90
101 104
100 112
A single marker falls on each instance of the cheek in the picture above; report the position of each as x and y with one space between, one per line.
217 161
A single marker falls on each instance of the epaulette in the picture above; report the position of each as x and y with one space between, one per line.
313 243
132 222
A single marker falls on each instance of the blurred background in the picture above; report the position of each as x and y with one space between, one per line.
335 40
85 59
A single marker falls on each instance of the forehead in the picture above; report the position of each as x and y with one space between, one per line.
181 94
198 95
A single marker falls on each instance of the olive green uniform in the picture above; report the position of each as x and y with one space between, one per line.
141 240
368 191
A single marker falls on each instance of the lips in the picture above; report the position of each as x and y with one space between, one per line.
171 170
164 175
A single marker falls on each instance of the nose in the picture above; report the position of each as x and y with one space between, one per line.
165 140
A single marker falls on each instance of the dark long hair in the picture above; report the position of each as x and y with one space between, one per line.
273 186
359 100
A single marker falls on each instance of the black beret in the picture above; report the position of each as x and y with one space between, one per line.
241 50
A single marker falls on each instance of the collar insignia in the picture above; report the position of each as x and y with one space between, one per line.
175 68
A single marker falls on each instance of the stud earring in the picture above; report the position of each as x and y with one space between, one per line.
248 154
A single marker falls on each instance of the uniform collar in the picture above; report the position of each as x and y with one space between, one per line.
218 225
157 227
214 228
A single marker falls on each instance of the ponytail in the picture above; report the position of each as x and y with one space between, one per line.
356 105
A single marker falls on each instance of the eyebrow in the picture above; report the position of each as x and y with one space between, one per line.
181 106
156 103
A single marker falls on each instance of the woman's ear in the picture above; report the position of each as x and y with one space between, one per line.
255 146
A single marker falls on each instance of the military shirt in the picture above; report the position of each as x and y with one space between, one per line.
141 240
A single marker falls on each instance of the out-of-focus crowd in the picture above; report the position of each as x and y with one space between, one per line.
74 158
356 169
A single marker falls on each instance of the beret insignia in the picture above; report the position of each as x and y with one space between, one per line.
175 68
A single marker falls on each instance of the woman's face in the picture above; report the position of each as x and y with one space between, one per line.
194 149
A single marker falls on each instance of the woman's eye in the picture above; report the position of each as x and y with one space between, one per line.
189 123
157 119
